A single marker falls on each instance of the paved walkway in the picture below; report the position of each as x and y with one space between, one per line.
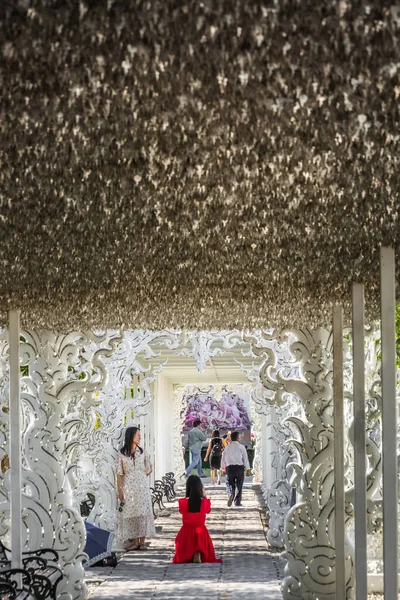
249 571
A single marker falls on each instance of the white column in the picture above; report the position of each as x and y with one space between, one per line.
339 452
312 566
163 427
389 423
360 458
15 442
269 447
265 452
151 425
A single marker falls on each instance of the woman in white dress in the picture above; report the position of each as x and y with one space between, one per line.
133 469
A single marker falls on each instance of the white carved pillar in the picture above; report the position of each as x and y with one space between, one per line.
390 496
127 398
146 424
278 494
373 440
179 403
269 448
265 453
309 525
257 429
269 395
55 399
15 441
100 434
52 430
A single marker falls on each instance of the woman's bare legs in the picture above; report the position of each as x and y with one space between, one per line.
219 476
212 476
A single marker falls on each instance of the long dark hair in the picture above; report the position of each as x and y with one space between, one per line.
194 491
127 447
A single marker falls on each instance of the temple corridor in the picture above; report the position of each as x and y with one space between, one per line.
249 571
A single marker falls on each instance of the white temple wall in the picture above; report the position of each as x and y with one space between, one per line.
163 427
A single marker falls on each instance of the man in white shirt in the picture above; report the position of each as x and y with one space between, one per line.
234 461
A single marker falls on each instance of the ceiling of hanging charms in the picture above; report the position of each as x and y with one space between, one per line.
195 164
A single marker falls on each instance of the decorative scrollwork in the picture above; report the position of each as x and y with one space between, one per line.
59 387
274 364
309 534
125 398
203 345
373 446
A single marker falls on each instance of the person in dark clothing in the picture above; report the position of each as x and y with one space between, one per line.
234 461
214 453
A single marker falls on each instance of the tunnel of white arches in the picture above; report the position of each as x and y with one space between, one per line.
80 391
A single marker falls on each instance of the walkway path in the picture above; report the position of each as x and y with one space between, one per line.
249 571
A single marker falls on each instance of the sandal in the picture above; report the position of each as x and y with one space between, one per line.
134 547
142 547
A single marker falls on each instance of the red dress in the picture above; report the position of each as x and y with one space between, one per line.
193 535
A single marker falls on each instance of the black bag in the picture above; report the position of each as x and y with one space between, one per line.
216 450
109 561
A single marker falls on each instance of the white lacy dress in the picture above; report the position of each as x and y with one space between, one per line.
136 518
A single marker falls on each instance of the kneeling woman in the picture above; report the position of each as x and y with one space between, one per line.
193 542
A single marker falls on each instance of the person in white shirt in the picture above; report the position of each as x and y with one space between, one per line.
234 461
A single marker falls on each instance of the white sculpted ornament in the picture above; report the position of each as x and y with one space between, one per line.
309 525
53 403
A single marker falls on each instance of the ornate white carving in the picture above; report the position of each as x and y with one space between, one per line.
76 382
126 399
373 448
51 430
279 494
309 534
93 470
204 345
178 408
256 429
54 403
268 374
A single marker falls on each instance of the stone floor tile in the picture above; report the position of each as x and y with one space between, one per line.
249 570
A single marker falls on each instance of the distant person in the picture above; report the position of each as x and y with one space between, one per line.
214 453
226 439
234 461
193 542
136 509
195 440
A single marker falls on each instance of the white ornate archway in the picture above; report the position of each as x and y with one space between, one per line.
74 383
81 390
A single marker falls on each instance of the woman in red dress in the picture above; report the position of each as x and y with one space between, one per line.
193 542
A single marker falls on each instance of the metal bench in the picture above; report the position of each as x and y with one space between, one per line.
87 505
157 493
168 481
171 478
163 487
10 589
42 567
